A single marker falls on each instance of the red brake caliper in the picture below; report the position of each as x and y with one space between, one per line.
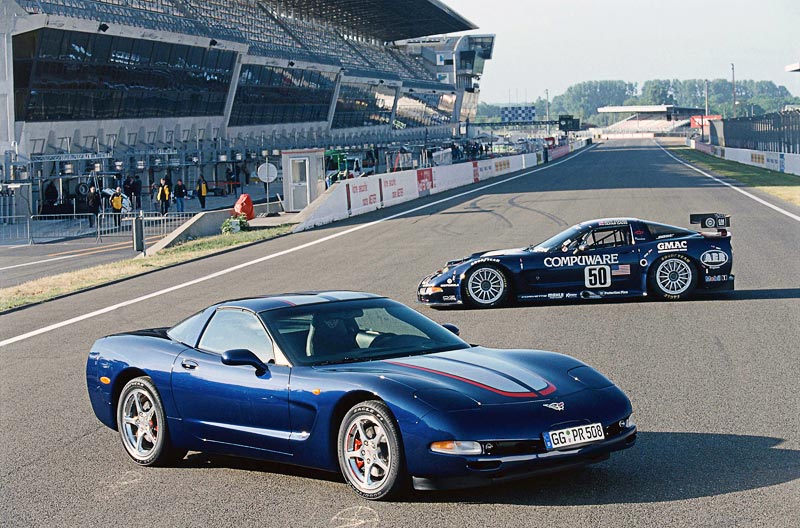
359 461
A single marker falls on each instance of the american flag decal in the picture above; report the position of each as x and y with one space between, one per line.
622 269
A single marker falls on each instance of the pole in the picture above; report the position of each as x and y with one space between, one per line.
733 83
547 107
706 96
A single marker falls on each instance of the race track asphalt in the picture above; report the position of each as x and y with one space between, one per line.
713 381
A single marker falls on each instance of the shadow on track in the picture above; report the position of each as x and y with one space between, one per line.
662 467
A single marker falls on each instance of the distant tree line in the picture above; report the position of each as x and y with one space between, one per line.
583 99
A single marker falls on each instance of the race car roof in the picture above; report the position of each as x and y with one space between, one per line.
285 300
386 20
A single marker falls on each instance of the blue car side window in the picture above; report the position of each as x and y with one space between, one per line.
233 328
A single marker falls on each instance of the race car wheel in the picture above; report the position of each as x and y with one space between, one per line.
142 424
673 277
486 286
369 451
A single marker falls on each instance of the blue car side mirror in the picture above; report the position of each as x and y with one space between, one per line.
242 356
452 328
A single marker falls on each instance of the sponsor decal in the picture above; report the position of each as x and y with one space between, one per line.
638 232
556 406
449 298
424 181
580 260
668 235
572 296
530 297
714 258
612 222
555 295
486 259
622 269
677 245
610 293
716 278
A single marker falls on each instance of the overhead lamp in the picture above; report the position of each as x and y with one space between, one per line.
291 63
212 42
103 27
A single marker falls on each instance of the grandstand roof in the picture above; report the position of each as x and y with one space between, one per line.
387 20
793 67
645 109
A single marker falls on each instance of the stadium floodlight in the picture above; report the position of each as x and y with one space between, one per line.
103 27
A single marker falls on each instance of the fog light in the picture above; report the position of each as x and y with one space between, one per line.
627 422
456 447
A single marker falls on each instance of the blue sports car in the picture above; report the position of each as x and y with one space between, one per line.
357 383
606 258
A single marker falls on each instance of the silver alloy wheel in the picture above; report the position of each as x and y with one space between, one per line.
674 276
367 453
140 424
486 285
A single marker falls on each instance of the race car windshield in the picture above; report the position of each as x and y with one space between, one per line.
557 241
358 330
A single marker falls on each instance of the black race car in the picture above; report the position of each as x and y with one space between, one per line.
606 258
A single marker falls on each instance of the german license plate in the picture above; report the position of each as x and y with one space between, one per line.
581 434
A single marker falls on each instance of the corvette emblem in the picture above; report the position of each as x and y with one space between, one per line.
557 406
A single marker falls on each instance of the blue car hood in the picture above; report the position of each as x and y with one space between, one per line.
488 376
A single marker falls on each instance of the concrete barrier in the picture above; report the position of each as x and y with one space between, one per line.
362 195
776 161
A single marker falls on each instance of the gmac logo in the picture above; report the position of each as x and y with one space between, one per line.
559 406
677 245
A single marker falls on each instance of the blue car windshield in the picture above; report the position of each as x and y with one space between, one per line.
556 242
357 330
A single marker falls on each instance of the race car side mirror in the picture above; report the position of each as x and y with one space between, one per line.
243 357
452 328
580 249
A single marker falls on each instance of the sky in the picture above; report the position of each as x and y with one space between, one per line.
553 44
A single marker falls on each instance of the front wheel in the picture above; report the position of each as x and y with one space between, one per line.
369 451
673 278
486 287
142 424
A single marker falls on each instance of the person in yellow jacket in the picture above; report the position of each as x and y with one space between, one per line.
116 206
162 196
201 190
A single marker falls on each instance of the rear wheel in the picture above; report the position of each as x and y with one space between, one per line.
485 286
142 424
369 451
673 277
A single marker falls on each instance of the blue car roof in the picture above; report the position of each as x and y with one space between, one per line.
285 300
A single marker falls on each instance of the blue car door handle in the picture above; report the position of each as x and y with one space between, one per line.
189 364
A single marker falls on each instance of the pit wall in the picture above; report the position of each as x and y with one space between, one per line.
363 195
777 161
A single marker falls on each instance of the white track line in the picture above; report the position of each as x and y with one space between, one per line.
265 258
735 188
39 262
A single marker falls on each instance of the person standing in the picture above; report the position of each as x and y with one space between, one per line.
116 207
136 193
127 186
93 202
180 193
201 190
162 196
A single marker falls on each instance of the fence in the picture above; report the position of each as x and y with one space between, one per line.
14 229
776 132
113 225
47 228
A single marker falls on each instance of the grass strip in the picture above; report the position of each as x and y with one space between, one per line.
46 288
784 186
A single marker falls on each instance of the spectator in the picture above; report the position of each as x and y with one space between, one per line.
136 193
51 194
201 190
127 186
93 201
116 207
162 196
180 193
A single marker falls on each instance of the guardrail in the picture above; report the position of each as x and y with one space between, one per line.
116 225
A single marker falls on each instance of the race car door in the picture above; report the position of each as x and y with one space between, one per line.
606 260
233 405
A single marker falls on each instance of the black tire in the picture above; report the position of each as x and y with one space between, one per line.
672 277
373 465
485 286
142 425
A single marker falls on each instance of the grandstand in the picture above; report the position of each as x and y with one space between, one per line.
140 85
648 119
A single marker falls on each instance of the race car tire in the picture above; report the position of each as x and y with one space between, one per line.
673 277
370 455
485 286
142 425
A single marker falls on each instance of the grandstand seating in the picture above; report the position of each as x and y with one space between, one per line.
268 32
643 123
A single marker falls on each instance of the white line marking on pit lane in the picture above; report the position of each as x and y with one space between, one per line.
38 262
735 188
265 258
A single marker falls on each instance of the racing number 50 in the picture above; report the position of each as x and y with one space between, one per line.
597 276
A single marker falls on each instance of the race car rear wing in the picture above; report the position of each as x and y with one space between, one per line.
712 220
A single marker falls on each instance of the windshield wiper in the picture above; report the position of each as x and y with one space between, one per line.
342 360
